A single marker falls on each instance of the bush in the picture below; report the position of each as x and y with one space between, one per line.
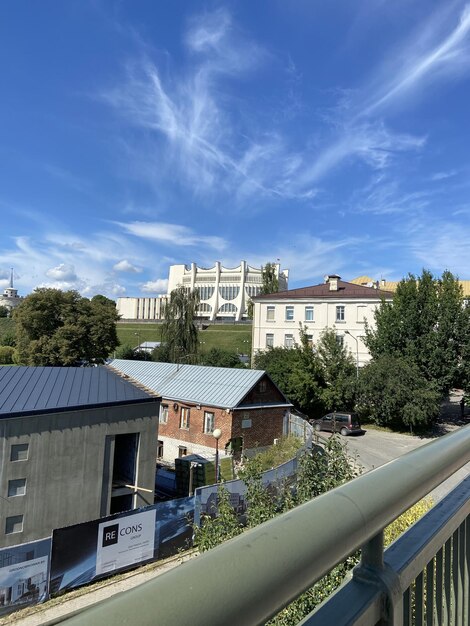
6 355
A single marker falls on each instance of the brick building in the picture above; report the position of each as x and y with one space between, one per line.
246 405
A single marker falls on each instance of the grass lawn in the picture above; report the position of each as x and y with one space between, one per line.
231 337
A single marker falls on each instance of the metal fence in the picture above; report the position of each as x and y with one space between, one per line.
421 578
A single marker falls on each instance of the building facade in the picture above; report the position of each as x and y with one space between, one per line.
74 445
10 298
336 304
245 405
224 292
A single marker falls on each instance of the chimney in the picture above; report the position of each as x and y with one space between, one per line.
333 279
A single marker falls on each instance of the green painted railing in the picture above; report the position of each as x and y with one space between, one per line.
252 577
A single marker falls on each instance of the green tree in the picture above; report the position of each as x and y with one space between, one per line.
269 278
338 371
217 357
3 311
297 372
55 327
428 325
179 331
393 392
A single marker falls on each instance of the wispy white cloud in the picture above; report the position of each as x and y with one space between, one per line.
172 234
444 175
431 54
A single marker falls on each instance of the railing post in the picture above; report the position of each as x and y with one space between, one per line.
372 571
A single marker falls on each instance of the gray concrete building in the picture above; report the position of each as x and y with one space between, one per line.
76 444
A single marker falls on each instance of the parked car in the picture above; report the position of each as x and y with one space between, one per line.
345 423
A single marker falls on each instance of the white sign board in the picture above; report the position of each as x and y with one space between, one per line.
125 541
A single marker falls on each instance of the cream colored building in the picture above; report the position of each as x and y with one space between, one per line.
224 292
334 304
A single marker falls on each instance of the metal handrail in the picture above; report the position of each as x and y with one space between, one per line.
250 578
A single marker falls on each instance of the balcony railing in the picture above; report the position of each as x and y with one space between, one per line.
421 578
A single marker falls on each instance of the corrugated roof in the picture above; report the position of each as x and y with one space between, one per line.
199 384
391 285
345 290
34 390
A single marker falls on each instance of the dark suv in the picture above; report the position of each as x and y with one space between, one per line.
345 423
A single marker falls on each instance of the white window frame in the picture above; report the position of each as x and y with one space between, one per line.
340 313
289 313
184 417
209 422
269 340
163 417
270 313
309 313
288 340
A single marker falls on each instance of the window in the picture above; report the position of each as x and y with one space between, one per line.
289 313
340 340
309 313
361 313
159 449
182 451
246 423
262 386
269 340
289 341
19 452
16 487
340 313
270 313
209 419
163 419
310 341
14 524
184 419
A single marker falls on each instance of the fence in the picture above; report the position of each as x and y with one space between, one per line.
250 578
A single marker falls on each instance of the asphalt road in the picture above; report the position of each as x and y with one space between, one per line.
376 448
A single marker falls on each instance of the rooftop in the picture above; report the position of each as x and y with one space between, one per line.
324 290
37 390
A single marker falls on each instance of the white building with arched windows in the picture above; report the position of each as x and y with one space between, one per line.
224 292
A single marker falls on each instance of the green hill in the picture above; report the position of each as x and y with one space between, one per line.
231 337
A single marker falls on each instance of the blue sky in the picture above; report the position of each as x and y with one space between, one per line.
333 136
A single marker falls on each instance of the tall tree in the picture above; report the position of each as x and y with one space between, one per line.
179 331
55 327
270 279
338 372
428 325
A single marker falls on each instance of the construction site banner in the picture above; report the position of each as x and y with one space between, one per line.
174 526
92 550
24 571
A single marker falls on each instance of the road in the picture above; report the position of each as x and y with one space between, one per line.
376 448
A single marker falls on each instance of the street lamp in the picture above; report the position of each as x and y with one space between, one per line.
346 332
217 434
138 340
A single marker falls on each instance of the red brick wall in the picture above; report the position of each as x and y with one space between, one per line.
266 425
195 433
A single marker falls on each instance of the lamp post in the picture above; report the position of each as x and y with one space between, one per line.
346 332
217 434
138 340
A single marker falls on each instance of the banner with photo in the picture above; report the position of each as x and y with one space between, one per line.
92 550
206 499
174 520
24 571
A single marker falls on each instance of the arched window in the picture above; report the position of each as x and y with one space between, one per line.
229 292
228 308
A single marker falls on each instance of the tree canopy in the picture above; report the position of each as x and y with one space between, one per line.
55 327
315 378
428 325
179 332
